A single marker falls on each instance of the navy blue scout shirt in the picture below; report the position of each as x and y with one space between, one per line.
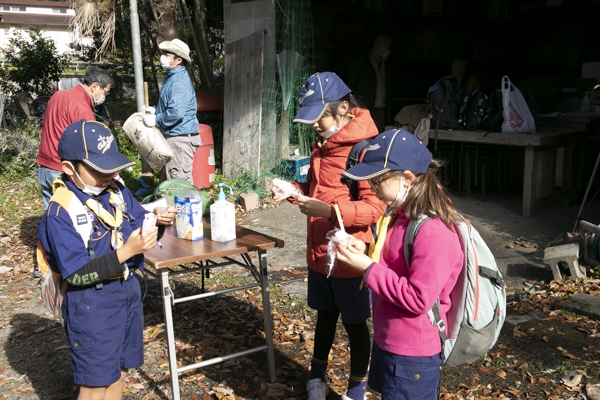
63 244
176 108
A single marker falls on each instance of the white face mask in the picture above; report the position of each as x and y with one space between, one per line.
333 130
87 189
165 62
401 195
100 100
386 53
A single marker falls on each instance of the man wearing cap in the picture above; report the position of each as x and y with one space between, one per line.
175 113
91 233
65 107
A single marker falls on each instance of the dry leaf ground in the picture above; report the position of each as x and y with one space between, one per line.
542 353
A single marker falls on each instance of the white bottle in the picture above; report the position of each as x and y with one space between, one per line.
585 104
222 218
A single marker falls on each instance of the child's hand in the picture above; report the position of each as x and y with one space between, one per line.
313 207
164 215
354 255
137 244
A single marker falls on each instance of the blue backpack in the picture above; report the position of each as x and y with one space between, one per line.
478 300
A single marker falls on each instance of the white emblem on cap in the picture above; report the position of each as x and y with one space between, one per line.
305 95
373 147
104 142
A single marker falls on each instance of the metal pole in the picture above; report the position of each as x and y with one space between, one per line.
138 71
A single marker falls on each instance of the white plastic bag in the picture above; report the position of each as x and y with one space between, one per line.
286 189
335 236
517 116
150 142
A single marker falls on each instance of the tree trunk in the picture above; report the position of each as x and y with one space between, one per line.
199 29
169 19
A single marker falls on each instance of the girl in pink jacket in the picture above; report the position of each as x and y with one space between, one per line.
406 354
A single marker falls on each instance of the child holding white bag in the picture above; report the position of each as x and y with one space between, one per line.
340 120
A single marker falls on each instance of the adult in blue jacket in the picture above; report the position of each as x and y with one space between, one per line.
175 113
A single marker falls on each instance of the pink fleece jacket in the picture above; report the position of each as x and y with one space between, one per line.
402 298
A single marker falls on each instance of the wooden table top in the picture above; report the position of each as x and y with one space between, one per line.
545 136
175 251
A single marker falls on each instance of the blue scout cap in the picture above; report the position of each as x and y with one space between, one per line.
94 144
393 150
318 90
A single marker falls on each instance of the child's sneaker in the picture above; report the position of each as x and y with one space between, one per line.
317 389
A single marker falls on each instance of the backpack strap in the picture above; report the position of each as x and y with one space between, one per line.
409 241
354 158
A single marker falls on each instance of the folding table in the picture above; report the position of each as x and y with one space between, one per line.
178 256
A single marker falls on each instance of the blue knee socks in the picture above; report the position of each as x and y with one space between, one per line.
357 386
318 369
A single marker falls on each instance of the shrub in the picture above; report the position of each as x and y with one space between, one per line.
34 64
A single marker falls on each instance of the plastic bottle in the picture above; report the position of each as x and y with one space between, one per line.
222 217
585 104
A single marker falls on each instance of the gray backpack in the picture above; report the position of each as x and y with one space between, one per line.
478 308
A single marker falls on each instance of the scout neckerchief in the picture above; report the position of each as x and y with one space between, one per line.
380 233
113 223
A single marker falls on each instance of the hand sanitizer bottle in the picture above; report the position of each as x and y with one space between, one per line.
222 217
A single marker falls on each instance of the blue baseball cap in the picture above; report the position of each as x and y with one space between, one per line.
393 150
94 144
318 90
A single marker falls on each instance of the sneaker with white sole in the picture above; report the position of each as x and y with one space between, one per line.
344 397
317 389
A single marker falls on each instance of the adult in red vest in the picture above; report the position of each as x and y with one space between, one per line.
64 108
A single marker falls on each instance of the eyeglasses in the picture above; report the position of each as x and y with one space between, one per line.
375 184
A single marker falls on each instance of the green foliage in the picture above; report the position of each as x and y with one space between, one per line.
34 64
18 151
246 182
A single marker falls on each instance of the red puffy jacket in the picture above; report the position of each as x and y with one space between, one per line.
323 182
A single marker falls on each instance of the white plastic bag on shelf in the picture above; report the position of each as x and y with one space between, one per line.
149 141
335 236
517 116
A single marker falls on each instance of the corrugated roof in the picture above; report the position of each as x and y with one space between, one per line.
37 3
35 19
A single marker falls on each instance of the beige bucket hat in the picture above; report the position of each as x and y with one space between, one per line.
177 47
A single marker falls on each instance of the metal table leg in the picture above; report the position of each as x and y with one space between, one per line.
168 299
264 281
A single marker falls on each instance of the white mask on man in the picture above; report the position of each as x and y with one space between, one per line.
386 53
99 101
165 62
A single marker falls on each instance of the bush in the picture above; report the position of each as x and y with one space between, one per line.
18 151
34 64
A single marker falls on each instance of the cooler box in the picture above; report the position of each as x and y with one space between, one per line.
295 168
203 166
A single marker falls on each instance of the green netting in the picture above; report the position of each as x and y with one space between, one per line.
294 63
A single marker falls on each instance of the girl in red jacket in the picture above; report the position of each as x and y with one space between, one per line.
340 121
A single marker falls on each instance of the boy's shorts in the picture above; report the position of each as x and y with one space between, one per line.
404 378
339 294
104 331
